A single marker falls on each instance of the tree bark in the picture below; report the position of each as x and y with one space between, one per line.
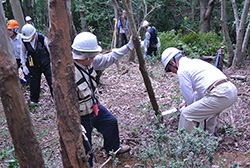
236 16
205 14
230 50
73 31
17 12
192 10
116 29
245 41
239 54
28 151
147 82
82 15
68 118
26 7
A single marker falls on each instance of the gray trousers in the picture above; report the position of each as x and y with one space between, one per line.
208 108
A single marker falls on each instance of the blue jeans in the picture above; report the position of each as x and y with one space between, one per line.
106 124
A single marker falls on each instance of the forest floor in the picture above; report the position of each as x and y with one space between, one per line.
125 96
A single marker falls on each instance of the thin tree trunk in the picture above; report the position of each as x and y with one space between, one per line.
192 9
68 118
28 151
73 31
142 67
17 12
239 56
205 14
26 7
236 16
246 39
230 50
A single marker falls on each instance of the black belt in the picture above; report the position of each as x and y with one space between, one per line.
217 83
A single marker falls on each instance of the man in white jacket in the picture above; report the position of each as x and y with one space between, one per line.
87 59
16 43
205 90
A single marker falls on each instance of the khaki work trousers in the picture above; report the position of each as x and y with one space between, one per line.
208 108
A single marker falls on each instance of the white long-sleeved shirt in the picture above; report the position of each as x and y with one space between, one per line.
23 53
195 76
16 45
101 62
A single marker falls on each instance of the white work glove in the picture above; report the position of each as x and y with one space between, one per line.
25 70
130 44
142 44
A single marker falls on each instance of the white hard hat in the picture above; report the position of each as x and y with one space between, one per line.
28 18
145 23
27 32
86 42
167 55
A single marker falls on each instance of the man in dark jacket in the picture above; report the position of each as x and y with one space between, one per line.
151 40
36 47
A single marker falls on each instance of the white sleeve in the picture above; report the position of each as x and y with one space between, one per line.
147 36
102 62
23 54
46 43
186 88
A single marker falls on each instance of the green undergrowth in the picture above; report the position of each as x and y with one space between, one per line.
195 44
179 149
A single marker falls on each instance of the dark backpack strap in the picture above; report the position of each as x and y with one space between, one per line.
41 38
79 68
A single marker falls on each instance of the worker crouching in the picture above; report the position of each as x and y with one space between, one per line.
205 90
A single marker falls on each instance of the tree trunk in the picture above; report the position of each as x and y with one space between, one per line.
236 16
73 31
115 38
246 39
17 12
192 10
205 14
26 7
68 118
82 15
230 50
147 82
239 54
28 151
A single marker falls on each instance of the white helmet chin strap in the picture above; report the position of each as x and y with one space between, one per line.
88 58
84 55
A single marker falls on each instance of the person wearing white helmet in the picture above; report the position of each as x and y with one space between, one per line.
151 40
16 42
205 89
28 20
35 45
87 59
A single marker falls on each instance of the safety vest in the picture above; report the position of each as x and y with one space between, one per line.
86 88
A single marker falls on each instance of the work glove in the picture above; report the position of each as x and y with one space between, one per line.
25 70
130 44
142 44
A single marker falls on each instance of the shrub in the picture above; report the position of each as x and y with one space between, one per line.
194 44
179 150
